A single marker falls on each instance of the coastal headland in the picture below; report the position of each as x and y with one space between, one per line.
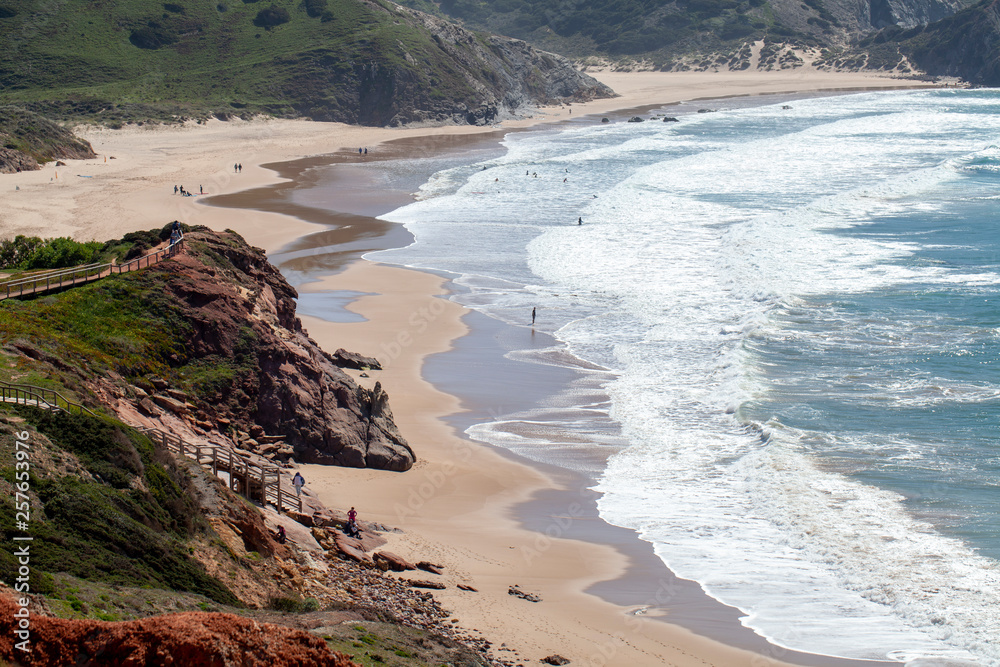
458 505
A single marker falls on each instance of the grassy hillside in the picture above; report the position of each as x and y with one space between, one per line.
657 29
155 58
38 137
677 34
108 506
359 61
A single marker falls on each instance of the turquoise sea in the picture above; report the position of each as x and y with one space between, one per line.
791 315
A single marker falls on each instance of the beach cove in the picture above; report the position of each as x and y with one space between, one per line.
460 504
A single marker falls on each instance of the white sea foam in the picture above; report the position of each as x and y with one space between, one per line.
709 242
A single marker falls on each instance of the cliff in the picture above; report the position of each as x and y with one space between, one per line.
28 139
966 45
905 13
238 307
502 75
209 338
366 62
126 532
190 638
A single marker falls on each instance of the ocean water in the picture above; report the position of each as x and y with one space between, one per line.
787 323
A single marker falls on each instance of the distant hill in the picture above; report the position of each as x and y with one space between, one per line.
673 34
965 45
356 61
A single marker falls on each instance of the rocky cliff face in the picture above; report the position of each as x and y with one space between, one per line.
965 45
28 139
189 638
517 74
493 78
908 13
246 364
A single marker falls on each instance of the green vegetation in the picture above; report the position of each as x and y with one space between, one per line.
378 643
123 322
25 253
37 137
655 29
124 523
130 324
31 252
271 17
293 604
966 44
142 59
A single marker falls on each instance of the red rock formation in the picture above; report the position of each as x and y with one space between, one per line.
433 568
394 562
189 639
352 548
12 161
239 307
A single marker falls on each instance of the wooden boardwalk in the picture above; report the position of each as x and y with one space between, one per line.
256 480
48 281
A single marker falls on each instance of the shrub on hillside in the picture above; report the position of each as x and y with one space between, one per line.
14 252
62 253
152 36
31 252
271 17
315 8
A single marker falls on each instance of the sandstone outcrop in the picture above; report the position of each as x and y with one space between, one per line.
26 139
393 562
346 359
12 161
238 314
190 638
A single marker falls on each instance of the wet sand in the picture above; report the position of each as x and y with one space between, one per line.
475 509
541 518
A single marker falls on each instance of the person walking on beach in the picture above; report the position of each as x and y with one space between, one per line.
175 189
298 482
240 167
532 315
201 190
236 168
579 221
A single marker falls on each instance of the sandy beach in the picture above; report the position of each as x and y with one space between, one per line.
130 184
458 505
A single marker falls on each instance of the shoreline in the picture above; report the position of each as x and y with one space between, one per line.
709 617
578 622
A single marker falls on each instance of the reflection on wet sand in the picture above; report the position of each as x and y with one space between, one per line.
349 233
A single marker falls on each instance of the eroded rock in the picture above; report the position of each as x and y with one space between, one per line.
189 638
239 307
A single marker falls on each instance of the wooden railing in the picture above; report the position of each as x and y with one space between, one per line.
257 481
47 399
45 281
